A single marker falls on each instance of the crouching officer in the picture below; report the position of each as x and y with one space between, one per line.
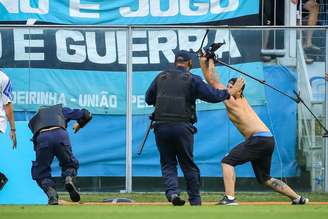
50 139
173 93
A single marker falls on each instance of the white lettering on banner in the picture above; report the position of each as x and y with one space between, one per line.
155 9
140 102
229 46
139 47
98 100
102 100
12 6
73 46
187 8
43 7
74 53
202 8
143 10
155 46
191 39
110 48
121 47
21 44
217 9
76 6
38 98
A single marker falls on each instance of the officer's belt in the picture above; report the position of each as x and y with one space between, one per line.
49 129
170 122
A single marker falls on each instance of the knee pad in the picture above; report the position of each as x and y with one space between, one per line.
46 183
69 172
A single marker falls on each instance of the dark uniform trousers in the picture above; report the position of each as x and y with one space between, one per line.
175 144
47 145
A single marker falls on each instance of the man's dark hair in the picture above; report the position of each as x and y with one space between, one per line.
233 81
182 56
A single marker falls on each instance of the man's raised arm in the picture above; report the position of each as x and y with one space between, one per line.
213 79
208 70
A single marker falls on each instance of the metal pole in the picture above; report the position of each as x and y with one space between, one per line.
292 21
326 115
289 58
274 23
128 137
162 27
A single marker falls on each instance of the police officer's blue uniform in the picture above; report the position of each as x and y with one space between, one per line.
174 130
51 139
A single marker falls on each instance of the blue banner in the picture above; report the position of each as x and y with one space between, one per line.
87 68
127 11
105 92
216 136
105 49
100 146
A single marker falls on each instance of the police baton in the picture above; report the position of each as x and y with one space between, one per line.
142 144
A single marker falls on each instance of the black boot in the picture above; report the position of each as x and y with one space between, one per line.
52 196
176 200
71 189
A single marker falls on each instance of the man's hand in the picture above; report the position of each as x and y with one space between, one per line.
13 138
76 127
326 76
236 87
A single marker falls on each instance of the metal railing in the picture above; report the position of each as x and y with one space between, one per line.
308 140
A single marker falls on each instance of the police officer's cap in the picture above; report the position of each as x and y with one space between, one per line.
182 55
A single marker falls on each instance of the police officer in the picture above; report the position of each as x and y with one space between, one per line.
50 139
173 93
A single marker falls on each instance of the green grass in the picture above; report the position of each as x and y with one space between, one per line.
206 197
83 211
165 212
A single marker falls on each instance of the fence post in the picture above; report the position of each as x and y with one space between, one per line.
128 137
326 115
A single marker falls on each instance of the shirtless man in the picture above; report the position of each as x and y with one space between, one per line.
257 147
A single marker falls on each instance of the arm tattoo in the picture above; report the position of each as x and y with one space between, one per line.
278 184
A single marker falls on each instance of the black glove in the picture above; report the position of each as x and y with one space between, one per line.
87 116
